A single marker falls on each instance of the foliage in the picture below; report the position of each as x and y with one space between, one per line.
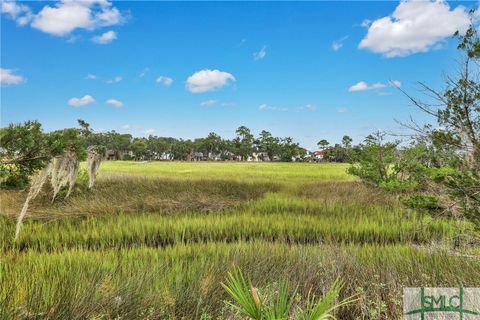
375 161
441 167
419 201
23 150
249 302
26 149
323 144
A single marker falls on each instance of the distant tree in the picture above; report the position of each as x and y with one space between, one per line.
376 159
323 144
183 150
85 128
337 153
290 150
213 144
157 146
268 144
139 148
244 142
347 142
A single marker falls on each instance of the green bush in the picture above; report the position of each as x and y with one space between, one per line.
397 185
419 201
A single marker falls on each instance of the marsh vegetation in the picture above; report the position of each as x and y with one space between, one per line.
156 240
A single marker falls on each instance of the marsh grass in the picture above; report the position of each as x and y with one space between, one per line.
276 172
154 241
183 281
275 217
132 194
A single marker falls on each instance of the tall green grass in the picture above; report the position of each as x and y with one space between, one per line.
276 217
154 241
183 281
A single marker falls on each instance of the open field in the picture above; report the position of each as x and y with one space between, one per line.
154 241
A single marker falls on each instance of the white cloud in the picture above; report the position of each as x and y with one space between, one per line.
115 80
342 110
363 86
395 83
265 106
65 16
19 12
90 77
126 126
338 44
109 16
308 107
164 80
80 102
208 80
150 131
9 78
260 54
115 103
105 37
208 103
414 26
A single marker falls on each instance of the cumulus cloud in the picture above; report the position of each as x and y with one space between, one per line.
115 103
80 102
208 80
164 80
65 16
208 103
363 86
105 37
338 44
150 131
260 54
9 78
18 12
414 26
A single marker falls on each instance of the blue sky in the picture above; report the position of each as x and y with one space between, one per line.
309 70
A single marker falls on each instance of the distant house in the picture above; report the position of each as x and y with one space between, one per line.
198 156
319 155
214 156
118 154
166 156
